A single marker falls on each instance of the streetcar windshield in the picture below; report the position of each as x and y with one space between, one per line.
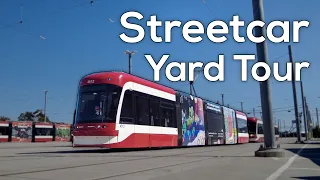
252 127
98 103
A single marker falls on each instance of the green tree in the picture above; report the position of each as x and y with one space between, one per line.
4 118
316 132
26 116
37 116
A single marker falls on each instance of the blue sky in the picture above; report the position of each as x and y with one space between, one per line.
80 40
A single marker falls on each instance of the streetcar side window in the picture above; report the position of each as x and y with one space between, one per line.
142 106
126 116
148 110
154 113
4 130
44 132
167 115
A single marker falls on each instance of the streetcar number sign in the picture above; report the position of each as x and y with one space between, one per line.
90 81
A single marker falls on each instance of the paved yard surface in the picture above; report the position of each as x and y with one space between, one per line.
58 161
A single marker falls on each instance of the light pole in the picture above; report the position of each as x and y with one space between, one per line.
130 56
45 105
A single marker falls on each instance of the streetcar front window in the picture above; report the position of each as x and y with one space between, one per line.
98 103
252 127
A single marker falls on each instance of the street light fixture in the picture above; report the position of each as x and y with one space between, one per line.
130 55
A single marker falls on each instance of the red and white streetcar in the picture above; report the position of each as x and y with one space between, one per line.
4 131
255 128
120 110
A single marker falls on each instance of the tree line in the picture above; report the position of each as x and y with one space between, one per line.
36 116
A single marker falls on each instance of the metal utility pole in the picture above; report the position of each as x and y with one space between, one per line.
254 112
241 106
304 110
268 127
130 56
222 96
310 123
295 97
317 117
45 105
284 127
306 129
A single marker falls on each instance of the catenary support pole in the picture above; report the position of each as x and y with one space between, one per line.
317 117
296 112
222 96
268 127
304 111
241 106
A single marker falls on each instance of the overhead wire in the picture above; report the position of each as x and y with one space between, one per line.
58 11
69 8
280 57
204 2
14 25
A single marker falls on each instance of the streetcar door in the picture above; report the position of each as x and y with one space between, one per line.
126 136
155 123
142 125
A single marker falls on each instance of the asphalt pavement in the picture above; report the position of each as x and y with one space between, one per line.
54 160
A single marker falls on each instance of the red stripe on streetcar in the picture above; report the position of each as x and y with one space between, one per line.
119 79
